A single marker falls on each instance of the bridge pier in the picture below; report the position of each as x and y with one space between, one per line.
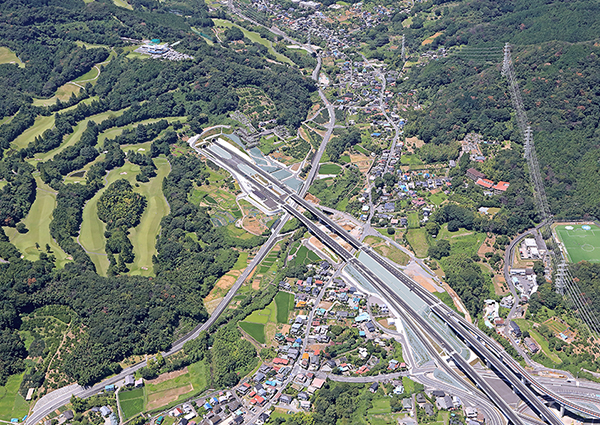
562 411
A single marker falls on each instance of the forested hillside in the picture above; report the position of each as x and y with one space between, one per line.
67 148
556 62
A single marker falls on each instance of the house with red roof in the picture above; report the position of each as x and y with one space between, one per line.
500 187
487 183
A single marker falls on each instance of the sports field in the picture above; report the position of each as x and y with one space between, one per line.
8 56
255 38
40 125
581 242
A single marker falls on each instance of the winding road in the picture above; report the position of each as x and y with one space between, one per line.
62 396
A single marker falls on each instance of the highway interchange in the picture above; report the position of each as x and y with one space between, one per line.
487 349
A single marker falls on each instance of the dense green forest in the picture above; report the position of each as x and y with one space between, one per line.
120 315
556 64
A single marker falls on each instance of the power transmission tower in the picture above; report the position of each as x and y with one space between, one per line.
564 282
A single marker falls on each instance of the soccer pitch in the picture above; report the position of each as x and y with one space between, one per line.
581 242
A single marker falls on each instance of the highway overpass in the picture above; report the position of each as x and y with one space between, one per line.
487 349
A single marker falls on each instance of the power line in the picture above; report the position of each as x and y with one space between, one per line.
403 54
564 282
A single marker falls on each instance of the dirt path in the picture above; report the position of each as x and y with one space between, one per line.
457 302
166 376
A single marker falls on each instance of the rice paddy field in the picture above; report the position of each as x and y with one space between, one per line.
580 242
330 169
12 404
132 402
284 302
255 325
255 330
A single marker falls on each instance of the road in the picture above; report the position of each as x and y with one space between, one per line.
383 80
508 257
330 127
56 399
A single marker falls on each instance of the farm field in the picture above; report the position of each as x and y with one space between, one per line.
462 241
8 56
387 250
410 159
40 125
268 262
255 38
284 302
438 198
12 404
132 402
418 241
38 222
194 380
580 241
330 169
380 406
223 203
543 342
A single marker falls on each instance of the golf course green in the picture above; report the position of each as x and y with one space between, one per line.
40 125
38 221
143 237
